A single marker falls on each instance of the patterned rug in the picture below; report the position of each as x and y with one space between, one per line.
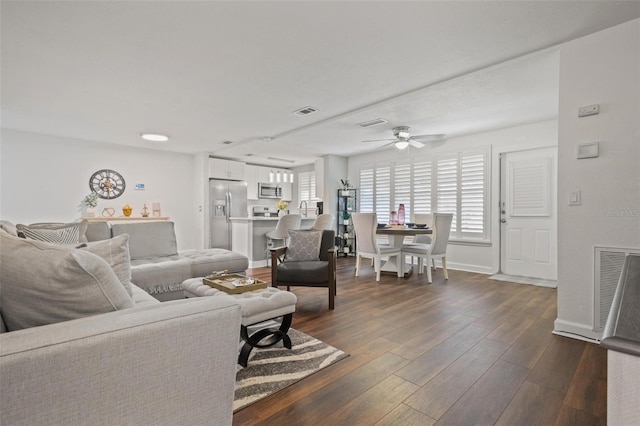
272 369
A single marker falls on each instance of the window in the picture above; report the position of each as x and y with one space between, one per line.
307 186
447 183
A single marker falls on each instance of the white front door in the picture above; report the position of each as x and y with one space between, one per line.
528 233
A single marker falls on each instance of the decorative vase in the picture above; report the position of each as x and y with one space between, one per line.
90 212
394 218
401 214
345 193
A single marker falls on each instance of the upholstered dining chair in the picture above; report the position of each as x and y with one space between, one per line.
281 231
323 221
422 219
365 225
317 267
436 249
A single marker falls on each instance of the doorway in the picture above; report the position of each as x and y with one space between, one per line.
528 214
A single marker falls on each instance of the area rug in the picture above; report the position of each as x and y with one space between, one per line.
272 369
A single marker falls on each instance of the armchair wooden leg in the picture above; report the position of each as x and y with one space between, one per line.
357 265
428 271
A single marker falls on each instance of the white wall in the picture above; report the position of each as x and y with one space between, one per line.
602 68
44 178
484 259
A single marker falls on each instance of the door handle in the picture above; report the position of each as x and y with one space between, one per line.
503 220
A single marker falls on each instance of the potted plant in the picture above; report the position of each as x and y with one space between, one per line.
345 187
90 202
345 217
282 205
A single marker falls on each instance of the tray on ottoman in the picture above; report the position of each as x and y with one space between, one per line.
233 283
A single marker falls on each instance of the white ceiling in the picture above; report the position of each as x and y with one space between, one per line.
205 72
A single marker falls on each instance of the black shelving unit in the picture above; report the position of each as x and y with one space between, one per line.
345 237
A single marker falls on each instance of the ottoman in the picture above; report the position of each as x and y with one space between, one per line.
257 307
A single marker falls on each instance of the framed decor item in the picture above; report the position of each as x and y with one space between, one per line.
108 184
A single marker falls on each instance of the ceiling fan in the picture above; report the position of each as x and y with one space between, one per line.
403 138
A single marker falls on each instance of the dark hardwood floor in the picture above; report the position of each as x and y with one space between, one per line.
467 351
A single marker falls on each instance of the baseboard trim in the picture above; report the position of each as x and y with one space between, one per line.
576 331
540 282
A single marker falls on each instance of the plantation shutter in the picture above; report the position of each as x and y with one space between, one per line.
421 187
366 190
402 189
383 193
472 191
447 187
307 186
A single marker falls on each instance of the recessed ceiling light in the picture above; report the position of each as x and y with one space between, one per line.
154 137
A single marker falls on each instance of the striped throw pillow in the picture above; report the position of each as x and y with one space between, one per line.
65 233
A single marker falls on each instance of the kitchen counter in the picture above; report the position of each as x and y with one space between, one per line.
248 236
259 218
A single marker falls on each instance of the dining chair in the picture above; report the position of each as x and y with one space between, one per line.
323 221
422 219
365 225
436 249
281 231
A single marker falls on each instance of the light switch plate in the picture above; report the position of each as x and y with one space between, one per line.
574 198
587 150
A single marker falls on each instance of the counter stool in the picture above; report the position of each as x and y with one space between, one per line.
260 310
281 231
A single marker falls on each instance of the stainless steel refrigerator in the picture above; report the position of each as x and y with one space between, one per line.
227 199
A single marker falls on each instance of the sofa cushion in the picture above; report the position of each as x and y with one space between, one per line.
57 233
148 239
45 283
115 251
97 231
8 227
303 245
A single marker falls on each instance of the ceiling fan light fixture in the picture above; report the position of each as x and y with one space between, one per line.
403 134
402 144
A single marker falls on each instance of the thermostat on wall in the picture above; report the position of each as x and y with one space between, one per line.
588 150
139 186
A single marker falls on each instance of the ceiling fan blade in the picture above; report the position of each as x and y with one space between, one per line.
380 140
435 137
386 144
415 144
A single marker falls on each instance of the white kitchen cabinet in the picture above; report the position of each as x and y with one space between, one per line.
263 174
287 191
219 168
251 176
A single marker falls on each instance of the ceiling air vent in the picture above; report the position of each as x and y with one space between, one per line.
305 111
227 142
372 122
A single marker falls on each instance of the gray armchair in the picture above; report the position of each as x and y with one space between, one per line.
307 273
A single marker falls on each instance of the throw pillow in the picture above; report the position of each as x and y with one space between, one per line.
45 283
303 245
115 252
57 233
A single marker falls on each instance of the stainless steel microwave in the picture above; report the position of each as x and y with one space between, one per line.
269 190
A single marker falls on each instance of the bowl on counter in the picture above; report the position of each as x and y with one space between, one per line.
420 225
409 224
382 225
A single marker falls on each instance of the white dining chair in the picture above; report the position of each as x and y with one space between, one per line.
365 225
323 222
436 249
281 231
421 219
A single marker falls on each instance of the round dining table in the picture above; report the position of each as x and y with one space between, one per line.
396 235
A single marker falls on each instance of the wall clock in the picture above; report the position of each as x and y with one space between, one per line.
108 184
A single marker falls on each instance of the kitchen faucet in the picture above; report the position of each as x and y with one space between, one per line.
303 212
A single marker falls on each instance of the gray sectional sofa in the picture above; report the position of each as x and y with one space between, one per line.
156 264
81 344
